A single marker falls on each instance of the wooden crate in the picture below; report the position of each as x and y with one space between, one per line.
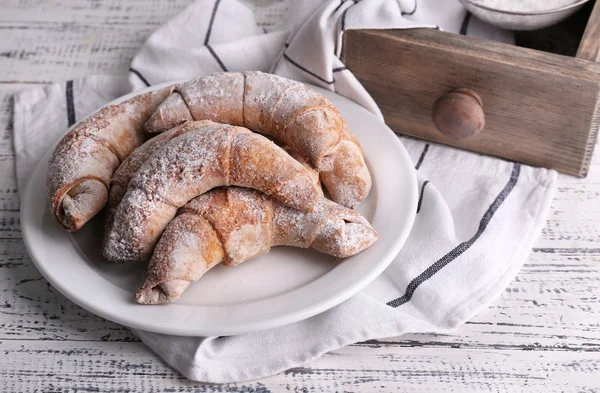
540 108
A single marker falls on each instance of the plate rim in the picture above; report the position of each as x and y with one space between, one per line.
276 321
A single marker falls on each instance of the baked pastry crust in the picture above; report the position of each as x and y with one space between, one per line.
85 159
284 109
232 225
191 164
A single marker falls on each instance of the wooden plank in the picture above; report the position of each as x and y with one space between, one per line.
108 12
47 366
537 337
552 304
64 40
132 12
31 309
52 52
589 48
426 360
9 195
59 39
541 109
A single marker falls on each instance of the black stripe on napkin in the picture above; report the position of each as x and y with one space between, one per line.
211 22
285 56
411 12
139 75
462 247
421 196
214 54
465 24
422 156
339 69
70 103
339 5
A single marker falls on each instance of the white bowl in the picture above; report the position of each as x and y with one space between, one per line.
515 20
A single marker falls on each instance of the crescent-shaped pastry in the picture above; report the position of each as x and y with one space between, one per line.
86 158
287 110
189 165
232 225
129 167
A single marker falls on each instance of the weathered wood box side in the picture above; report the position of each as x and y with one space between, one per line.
541 109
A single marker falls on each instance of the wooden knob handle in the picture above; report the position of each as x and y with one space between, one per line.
459 114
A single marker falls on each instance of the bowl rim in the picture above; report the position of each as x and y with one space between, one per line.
524 13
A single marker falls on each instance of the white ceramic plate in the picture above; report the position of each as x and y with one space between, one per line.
282 287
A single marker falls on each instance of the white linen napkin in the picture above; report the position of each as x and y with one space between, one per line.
477 216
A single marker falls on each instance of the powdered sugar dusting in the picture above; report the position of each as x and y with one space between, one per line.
133 163
190 165
187 166
94 148
139 220
261 97
188 248
271 105
349 180
247 224
319 227
217 97
343 239
294 102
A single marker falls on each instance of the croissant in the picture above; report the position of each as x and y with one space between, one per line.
232 225
284 109
134 161
85 159
210 156
129 167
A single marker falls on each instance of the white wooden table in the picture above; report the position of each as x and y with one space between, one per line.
543 334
